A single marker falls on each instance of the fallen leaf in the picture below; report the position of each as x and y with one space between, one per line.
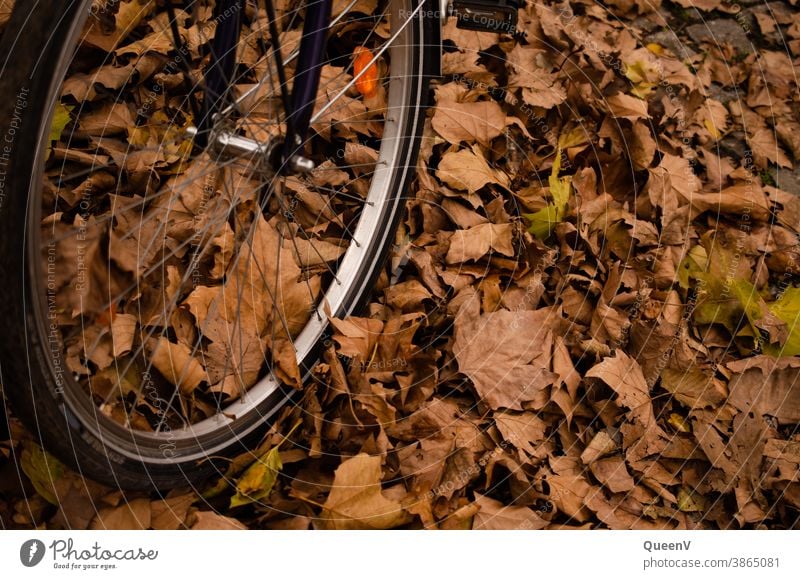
625 106
787 309
128 15
123 328
693 387
211 521
133 515
257 481
642 435
494 515
543 222
42 470
767 386
600 445
176 363
356 336
613 474
356 501
474 243
468 170
170 514
504 354
61 118
467 122
525 431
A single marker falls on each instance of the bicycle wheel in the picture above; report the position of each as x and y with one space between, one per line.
164 299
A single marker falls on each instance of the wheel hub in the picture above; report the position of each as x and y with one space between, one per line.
266 156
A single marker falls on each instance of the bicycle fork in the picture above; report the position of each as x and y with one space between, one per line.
286 155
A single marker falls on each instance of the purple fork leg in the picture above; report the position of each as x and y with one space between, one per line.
307 75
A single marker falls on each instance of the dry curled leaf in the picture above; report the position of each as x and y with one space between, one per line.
467 122
211 521
176 363
505 356
474 243
494 515
356 500
469 171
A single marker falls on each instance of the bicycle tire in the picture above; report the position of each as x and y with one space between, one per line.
26 363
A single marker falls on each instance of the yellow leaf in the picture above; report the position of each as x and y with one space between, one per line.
42 470
641 76
573 138
61 118
690 502
712 129
655 48
257 481
543 222
560 189
642 89
636 72
750 301
724 295
677 421
138 137
787 308
695 261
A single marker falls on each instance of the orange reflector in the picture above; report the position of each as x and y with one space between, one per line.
367 84
106 317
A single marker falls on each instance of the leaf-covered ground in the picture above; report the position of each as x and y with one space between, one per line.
591 317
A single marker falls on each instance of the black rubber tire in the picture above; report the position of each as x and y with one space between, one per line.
30 46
